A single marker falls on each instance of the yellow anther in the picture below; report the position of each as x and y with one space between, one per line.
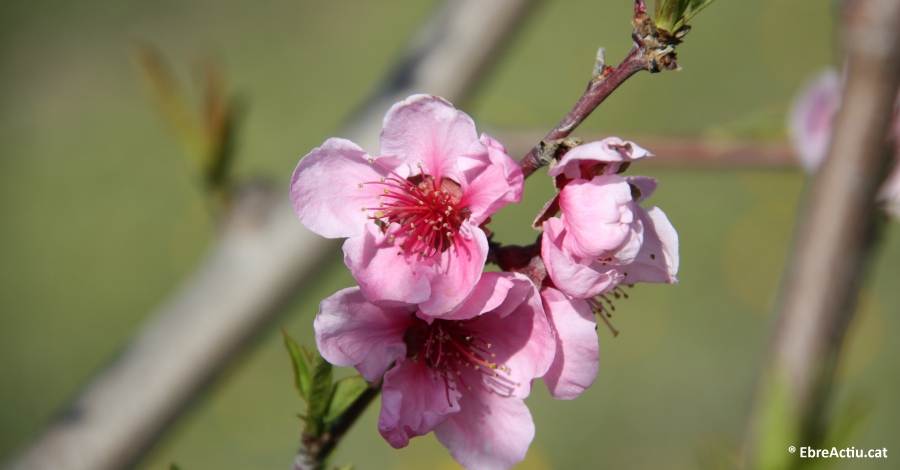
371 160
360 185
386 191
382 180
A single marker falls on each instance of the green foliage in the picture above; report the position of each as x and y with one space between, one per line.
325 402
174 467
349 466
779 427
208 142
671 15
302 378
344 393
319 395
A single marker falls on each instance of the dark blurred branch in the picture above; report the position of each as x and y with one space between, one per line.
836 239
653 50
261 259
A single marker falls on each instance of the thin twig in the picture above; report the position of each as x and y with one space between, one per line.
652 51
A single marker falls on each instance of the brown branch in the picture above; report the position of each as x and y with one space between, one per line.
837 235
653 50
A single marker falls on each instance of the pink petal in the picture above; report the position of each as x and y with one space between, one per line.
427 129
456 271
491 432
387 274
577 353
597 215
500 183
522 341
413 403
657 260
577 277
810 118
325 188
499 292
645 184
351 331
612 150
890 191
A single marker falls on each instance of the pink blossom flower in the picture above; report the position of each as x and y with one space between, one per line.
811 116
463 377
412 216
810 123
604 237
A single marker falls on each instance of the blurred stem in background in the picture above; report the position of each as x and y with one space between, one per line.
837 238
208 142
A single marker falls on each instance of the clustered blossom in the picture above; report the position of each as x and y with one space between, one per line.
413 215
457 348
810 124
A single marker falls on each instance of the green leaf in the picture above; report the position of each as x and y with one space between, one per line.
302 380
319 395
344 393
173 466
671 15
349 466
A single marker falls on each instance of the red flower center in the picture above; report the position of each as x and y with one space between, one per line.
449 347
427 212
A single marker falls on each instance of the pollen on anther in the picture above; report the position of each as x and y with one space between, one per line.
386 191
363 209
371 160
391 239
360 185
382 180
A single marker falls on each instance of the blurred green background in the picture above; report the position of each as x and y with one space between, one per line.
102 216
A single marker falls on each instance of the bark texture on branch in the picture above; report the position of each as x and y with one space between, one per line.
838 230
261 258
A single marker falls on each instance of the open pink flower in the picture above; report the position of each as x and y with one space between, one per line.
810 123
464 378
413 216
